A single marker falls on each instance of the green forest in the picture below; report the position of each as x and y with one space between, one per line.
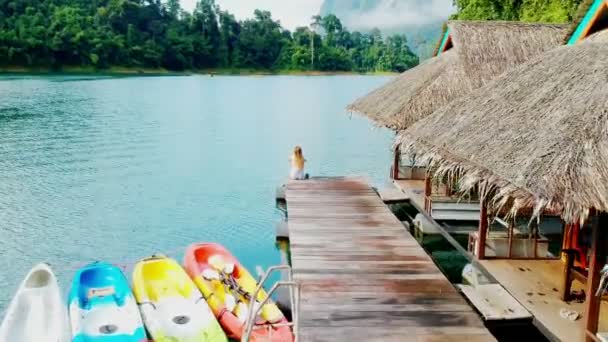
547 11
159 34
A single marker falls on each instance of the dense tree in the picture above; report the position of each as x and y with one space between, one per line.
260 41
332 27
230 30
154 34
173 9
555 11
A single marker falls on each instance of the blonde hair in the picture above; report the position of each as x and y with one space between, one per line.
297 151
298 157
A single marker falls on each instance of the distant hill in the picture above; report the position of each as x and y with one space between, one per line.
419 20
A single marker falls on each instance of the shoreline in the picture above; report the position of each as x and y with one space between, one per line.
124 71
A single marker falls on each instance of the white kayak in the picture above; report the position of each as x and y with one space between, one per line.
37 312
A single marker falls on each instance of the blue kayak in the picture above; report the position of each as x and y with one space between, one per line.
102 307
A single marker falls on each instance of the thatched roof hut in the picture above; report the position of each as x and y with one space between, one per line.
535 137
416 93
481 51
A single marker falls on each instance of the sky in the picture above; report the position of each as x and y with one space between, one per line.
291 13
394 14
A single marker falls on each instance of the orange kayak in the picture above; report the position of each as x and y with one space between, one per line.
229 288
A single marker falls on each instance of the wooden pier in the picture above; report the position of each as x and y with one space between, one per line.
363 276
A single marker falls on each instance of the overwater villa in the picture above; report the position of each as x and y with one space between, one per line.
530 143
469 55
525 144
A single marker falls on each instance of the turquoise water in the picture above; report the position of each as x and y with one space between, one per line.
117 169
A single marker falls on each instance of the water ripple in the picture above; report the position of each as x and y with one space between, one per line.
121 168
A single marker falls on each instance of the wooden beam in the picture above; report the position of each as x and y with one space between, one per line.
535 245
448 187
510 230
597 262
567 230
483 229
567 255
520 258
566 288
428 189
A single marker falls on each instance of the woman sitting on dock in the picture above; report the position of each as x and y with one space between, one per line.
297 165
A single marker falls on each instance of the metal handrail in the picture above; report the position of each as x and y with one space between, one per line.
294 297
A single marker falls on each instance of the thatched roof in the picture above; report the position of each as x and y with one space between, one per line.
482 51
536 136
416 93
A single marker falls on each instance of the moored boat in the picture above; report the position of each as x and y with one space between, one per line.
172 307
102 307
37 312
229 289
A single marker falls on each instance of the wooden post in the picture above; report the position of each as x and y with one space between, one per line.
597 262
566 238
510 234
483 230
448 187
396 162
428 189
536 232
566 288
568 260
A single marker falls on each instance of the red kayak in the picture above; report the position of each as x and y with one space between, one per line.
229 288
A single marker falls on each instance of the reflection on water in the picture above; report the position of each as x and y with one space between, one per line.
120 168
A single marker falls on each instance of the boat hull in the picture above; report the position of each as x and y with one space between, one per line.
199 258
102 307
37 311
172 307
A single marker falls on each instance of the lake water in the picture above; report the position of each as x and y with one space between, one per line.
118 169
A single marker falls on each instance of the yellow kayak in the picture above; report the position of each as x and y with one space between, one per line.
172 307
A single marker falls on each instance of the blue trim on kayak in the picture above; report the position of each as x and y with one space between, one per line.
97 276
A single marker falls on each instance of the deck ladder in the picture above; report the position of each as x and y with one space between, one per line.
294 299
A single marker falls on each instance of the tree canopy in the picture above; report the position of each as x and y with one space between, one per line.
548 11
160 34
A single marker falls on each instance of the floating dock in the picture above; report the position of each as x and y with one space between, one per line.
443 208
363 276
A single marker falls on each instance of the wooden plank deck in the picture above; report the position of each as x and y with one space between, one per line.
494 302
535 284
413 188
392 194
363 276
